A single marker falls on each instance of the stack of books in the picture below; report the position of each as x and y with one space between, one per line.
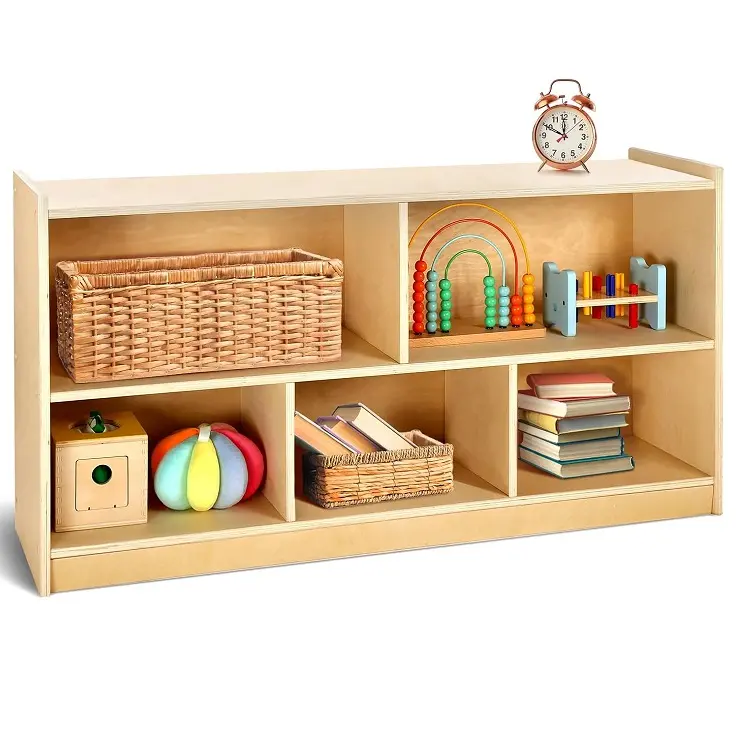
352 428
570 425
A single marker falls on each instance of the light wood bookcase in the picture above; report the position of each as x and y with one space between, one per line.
663 208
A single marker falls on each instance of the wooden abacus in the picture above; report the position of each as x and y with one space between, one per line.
646 296
505 316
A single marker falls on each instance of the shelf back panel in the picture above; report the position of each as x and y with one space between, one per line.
585 233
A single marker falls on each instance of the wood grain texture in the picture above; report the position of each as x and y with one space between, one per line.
467 332
267 415
676 407
692 235
407 402
32 379
584 233
654 470
169 527
108 197
359 359
375 276
327 542
477 416
164 413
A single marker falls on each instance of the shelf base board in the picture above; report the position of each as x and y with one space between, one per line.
329 542
465 332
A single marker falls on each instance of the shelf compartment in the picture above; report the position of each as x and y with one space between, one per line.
469 409
264 413
671 432
373 303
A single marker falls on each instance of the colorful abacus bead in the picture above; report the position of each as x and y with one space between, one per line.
490 302
418 288
529 318
446 303
503 307
516 311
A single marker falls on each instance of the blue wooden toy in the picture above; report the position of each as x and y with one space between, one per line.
561 300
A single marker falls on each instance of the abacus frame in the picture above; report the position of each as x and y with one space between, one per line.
665 209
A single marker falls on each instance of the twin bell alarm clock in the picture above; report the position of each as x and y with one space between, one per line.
564 134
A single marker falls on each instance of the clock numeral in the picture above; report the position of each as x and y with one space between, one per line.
555 118
580 127
546 144
580 145
584 137
564 115
572 154
554 151
562 155
575 119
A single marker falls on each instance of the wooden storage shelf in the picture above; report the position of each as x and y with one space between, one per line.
665 209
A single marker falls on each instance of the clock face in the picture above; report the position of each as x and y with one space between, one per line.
564 135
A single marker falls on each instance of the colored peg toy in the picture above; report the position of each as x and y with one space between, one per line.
633 309
598 284
620 290
645 296
587 289
610 290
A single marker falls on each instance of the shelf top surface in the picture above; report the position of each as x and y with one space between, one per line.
146 195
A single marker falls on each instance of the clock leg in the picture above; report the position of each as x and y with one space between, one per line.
541 166
585 167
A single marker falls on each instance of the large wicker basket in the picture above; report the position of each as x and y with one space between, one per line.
358 478
143 317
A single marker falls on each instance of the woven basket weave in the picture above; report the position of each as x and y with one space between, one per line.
358 478
143 317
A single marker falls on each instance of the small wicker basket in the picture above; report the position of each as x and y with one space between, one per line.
359 478
143 317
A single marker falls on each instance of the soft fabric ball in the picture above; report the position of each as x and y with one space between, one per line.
213 466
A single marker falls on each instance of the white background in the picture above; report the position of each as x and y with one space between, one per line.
616 638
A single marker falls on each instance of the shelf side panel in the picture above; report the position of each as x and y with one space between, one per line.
375 287
479 414
267 412
32 388
685 233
